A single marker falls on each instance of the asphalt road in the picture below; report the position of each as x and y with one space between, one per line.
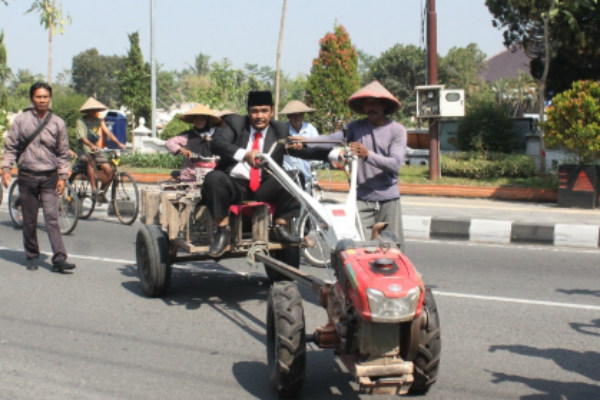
518 322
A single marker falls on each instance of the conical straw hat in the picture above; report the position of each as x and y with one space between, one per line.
377 91
201 109
91 104
294 107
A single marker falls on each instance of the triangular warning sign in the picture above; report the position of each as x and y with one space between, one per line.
583 183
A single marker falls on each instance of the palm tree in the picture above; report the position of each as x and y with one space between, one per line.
52 19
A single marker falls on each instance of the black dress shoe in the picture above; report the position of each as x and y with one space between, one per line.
279 233
32 264
219 244
62 265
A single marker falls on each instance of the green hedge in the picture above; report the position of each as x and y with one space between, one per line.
474 165
157 160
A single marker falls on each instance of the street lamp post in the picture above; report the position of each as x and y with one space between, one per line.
153 65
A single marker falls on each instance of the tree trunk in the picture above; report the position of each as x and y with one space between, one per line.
543 79
278 67
50 35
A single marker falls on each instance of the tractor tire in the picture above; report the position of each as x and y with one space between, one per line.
427 360
290 256
152 255
286 339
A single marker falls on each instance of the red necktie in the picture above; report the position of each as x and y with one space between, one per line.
255 172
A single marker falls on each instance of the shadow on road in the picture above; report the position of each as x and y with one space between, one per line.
587 329
584 292
324 378
582 363
551 389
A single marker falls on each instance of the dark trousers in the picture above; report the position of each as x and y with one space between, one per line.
221 190
32 191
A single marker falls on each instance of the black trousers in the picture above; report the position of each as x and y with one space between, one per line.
34 190
221 190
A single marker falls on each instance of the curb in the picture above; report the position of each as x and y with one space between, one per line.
501 232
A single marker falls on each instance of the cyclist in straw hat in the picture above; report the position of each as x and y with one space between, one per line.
196 140
91 131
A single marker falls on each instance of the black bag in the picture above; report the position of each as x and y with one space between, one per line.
93 137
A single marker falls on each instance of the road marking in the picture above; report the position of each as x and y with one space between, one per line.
518 301
436 292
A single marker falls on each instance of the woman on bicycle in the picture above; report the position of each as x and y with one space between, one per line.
195 141
91 134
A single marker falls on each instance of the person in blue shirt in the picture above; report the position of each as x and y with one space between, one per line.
295 110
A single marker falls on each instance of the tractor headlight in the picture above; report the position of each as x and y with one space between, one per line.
393 309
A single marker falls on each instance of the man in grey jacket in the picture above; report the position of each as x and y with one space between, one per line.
43 169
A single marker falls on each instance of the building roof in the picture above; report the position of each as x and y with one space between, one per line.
507 64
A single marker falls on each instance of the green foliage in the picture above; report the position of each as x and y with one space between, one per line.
573 121
4 74
134 81
174 128
67 107
486 127
476 165
96 75
399 70
574 36
460 68
157 160
333 78
228 87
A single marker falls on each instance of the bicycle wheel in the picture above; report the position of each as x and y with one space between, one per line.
125 198
317 255
83 189
14 204
68 210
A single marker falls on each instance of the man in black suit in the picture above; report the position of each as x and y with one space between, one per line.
238 178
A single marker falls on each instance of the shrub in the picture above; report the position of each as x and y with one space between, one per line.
474 165
573 121
66 106
157 160
487 127
174 128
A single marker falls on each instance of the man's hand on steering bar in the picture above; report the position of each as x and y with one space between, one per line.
359 150
295 142
250 158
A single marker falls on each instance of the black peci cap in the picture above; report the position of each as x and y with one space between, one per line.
260 98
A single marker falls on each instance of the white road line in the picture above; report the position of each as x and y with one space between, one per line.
436 292
518 301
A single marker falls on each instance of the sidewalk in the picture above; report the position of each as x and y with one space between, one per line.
486 215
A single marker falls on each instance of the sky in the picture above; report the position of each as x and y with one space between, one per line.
243 31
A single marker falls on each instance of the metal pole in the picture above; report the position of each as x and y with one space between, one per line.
153 65
432 79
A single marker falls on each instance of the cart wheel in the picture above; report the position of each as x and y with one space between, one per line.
152 254
427 360
286 339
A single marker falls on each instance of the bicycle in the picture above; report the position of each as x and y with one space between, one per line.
124 199
317 253
68 208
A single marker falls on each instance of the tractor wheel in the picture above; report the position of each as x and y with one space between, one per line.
152 254
286 339
427 360
290 256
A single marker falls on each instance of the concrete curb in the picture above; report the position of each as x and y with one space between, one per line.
501 232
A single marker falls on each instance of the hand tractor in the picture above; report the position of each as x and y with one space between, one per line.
382 321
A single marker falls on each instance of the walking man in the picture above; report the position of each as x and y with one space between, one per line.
38 143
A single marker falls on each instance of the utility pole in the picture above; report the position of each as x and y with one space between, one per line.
153 65
432 79
278 67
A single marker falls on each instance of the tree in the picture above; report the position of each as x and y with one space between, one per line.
201 64
134 81
96 75
18 89
400 69
460 68
4 74
570 42
333 78
53 19
365 62
574 121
